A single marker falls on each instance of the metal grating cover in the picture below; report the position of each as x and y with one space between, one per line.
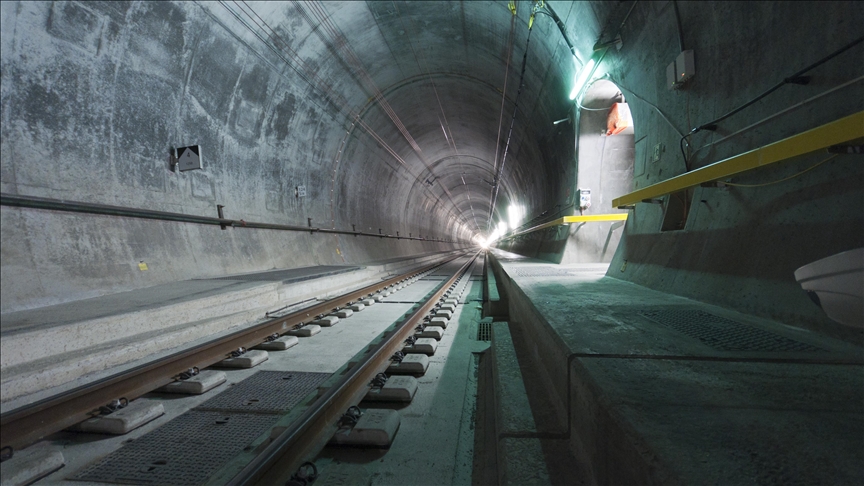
266 392
543 271
724 334
184 451
484 331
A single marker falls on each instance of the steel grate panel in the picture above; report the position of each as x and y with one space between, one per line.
725 334
266 392
484 331
539 272
183 452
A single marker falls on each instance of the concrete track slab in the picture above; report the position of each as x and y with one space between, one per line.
326 353
149 322
441 413
413 293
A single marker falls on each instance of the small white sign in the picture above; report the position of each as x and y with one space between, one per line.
584 198
301 191
189 158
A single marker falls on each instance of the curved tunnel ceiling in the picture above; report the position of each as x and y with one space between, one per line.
418 88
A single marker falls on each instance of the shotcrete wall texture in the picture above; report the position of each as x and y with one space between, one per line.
285 94
278 95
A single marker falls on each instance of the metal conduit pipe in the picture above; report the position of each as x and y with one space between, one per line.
32 202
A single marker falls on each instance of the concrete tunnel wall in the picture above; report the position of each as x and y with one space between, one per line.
740 245
94 93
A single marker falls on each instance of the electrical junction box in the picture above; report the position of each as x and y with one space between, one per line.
584 198
189 158
678 72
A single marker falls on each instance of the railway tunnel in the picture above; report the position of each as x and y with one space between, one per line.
429 242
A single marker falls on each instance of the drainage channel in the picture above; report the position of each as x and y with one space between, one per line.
89 409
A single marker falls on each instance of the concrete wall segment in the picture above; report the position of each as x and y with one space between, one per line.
741 245
93 95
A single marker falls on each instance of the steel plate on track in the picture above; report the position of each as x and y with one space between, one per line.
724 334
184 451
266 392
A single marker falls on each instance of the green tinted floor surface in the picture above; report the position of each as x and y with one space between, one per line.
716 396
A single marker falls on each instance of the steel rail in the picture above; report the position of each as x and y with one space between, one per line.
310 432
33 202
27 424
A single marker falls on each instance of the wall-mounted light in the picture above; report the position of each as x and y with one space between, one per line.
582 78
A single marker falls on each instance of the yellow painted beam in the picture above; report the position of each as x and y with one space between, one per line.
573 219
834 133
587 218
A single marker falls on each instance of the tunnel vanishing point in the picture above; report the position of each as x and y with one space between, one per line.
643 222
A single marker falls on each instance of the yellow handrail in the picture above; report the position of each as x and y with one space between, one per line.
834 133
587 218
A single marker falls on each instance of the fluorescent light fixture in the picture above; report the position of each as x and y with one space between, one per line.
580 80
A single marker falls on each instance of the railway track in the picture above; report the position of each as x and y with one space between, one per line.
300 440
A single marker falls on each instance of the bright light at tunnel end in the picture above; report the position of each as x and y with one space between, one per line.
515 215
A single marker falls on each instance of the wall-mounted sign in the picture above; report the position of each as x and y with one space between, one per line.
189 158
300 191
584 198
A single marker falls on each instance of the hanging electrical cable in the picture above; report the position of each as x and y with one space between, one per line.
510 39
796 78
497 180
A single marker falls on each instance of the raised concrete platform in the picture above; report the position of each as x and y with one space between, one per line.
729 399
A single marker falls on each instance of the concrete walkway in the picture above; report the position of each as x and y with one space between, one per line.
652 388
49 350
